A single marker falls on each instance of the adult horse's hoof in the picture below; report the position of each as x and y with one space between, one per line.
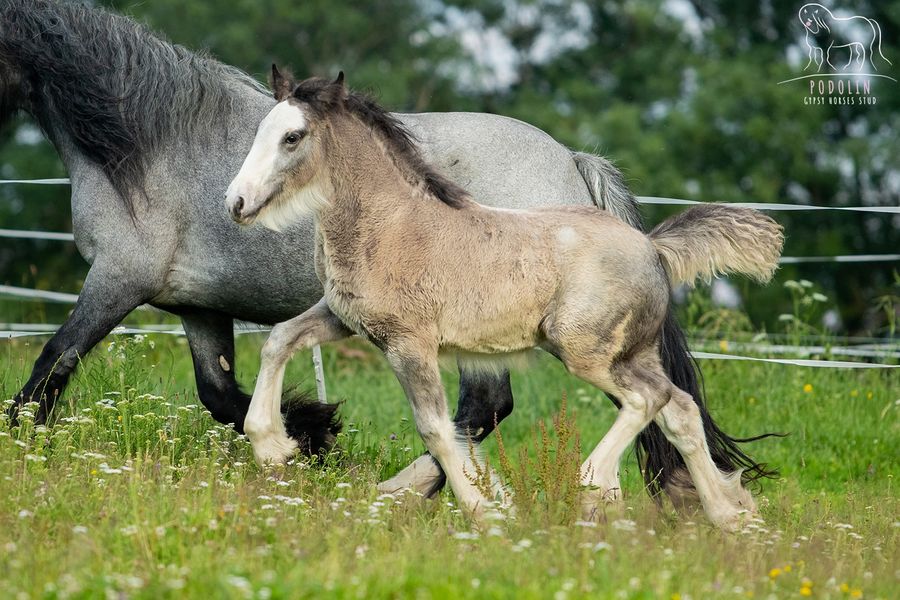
313 425
423 476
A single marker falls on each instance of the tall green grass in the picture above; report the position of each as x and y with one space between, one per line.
133 491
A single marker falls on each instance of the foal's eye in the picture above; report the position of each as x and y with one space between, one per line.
294 137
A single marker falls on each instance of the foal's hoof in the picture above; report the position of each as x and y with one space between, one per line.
273 449
423 476
733 521
595 502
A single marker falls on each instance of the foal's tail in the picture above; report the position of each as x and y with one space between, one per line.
662 466
704 241
711 239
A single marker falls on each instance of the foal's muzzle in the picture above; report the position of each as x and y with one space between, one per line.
240 209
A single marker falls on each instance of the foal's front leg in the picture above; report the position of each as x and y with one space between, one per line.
264 425
416 366
485 399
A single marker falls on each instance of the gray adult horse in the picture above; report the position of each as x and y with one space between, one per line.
151 134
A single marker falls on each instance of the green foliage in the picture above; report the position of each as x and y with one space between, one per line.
702 318
546 479
889 303
807 309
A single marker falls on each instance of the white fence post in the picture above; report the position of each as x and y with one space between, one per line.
320 374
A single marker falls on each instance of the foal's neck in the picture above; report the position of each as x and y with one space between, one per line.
367 178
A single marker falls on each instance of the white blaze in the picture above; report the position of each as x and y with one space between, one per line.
267 159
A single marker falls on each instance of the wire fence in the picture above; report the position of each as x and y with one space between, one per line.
870 350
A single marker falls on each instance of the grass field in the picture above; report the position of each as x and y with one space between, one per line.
134 491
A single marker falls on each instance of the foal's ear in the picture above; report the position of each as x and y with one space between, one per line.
334 93
282 84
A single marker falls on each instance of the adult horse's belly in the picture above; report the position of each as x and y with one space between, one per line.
250 273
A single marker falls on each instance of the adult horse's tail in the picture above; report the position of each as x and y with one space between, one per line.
661 464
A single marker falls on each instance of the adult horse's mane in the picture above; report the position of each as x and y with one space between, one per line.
8 101
109 85
321 95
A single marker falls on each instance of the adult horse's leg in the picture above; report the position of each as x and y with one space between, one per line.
211 338
485 399
106 298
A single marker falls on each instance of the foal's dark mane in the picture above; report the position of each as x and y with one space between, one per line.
324 96
109 85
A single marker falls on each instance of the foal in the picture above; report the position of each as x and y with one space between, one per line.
410 262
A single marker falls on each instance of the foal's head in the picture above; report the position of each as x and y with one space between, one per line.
287 153
282 176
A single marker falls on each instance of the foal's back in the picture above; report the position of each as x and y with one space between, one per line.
500 274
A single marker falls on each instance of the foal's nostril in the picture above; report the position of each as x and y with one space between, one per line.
238 206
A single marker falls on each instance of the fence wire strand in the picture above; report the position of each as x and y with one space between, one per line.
25 330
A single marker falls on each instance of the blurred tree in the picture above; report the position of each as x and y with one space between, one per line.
683 94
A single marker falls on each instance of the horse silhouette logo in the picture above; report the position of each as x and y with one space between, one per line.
845 44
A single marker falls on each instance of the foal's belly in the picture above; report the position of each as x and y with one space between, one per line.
509 331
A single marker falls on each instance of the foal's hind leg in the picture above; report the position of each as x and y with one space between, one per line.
264 425
724 499
647 393
642 390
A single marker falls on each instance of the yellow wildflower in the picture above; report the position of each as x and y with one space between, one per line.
787 568
845 588
723 345
120 418
856 593
854 393
93 471
676 596
805 591
774 573
869 396
808 388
